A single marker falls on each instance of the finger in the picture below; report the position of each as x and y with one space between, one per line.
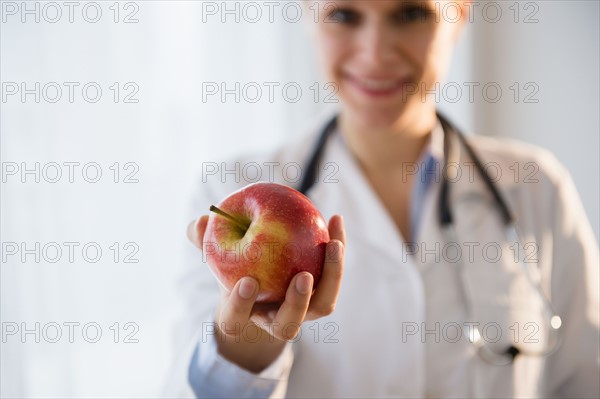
235 312
336 232
291 314
325 297
336 229
195 230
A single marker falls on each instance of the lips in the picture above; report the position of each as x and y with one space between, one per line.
377 86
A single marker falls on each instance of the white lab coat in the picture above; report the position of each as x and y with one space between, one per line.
368 347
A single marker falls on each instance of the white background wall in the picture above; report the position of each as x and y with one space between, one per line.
559 54
170 131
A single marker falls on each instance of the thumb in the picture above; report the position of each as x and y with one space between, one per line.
196 229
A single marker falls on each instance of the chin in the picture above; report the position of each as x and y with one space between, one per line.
376 117
377 112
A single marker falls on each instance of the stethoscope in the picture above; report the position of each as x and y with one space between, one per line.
471 332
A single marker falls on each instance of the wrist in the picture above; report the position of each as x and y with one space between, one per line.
248 346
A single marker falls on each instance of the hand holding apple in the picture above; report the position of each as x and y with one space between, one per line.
237 307
269 232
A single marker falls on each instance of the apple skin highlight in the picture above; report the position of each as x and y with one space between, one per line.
286 235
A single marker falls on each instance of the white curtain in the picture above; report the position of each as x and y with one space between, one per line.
161 140
163 61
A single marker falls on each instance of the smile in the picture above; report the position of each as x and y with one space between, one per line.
377 87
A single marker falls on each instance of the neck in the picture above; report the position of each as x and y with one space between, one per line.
387 148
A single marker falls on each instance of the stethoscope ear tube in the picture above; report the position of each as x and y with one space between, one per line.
312 164
444 204
512 234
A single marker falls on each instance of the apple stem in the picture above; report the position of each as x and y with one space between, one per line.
239 223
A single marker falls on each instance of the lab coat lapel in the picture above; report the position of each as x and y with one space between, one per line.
435 255
497 288
367 220
381 292
470 199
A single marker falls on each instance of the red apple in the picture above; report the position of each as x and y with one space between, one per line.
269 232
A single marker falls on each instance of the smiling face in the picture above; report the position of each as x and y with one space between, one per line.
383 55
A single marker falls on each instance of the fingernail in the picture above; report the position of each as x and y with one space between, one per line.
303 283
247 288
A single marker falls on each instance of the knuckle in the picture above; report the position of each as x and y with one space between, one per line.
335 271
299 306
325 309
237 306
297 301
319 311
329 309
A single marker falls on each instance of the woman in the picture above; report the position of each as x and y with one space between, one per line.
401 302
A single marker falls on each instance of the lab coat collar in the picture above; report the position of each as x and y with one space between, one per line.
376 260
469 198
435 144
350 191
469 184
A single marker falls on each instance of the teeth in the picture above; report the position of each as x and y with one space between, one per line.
378 84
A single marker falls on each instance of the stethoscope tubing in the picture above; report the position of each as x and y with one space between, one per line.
446 221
